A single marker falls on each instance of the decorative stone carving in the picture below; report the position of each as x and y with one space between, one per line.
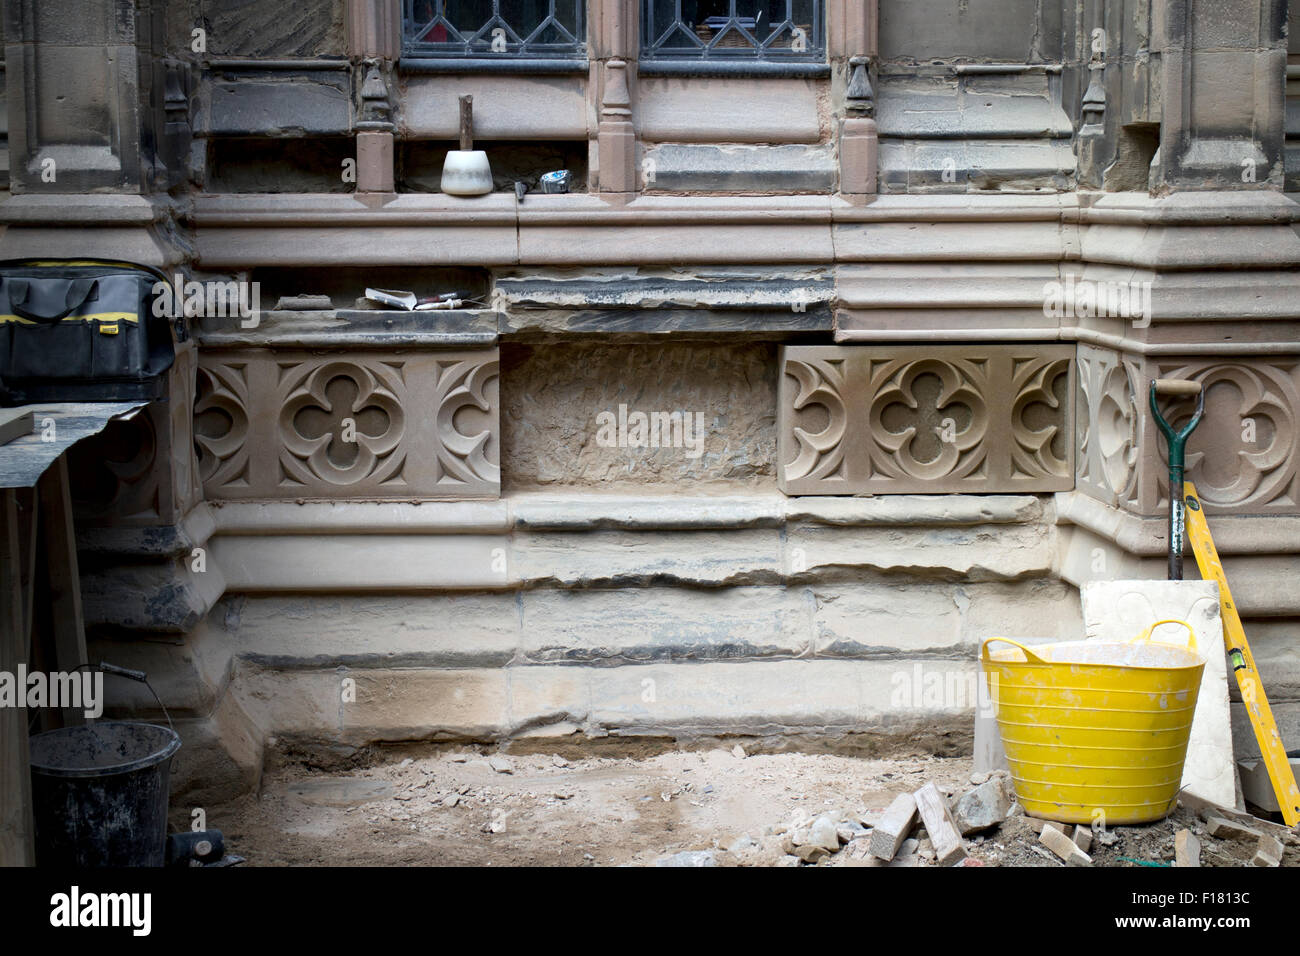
274 424
376 105
341 424
1093 108
221 423
867 420
140 471
1243 455
1107 424
859 136
616 135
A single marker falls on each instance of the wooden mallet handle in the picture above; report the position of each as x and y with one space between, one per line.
466 123
1177 387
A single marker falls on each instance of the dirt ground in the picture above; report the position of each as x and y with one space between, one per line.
470 808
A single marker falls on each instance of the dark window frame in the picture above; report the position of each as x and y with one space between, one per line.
467 53
712 59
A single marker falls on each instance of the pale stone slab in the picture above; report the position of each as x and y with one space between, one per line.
1120 610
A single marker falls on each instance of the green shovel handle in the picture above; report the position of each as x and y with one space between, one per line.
1177 439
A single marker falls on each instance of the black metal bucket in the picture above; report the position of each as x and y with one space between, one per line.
100 794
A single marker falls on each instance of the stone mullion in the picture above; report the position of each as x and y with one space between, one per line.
374 45
852 27
614 33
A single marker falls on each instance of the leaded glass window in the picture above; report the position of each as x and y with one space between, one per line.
478 29
731 30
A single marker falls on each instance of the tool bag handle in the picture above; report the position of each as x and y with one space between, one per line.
1030 656
1146 635
79 292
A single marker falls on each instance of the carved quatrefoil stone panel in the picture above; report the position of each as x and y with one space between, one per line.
1244 456
373 424
1108 416
878 420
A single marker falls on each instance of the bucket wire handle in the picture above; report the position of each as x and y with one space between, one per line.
1191 634
1030 656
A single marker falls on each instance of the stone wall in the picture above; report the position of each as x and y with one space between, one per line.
914 293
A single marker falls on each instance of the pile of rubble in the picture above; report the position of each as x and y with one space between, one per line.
985 826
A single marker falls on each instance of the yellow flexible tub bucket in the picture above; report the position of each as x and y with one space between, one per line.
1095 730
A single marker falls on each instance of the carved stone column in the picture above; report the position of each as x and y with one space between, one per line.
374 35
616 138
856 24
859 140
614 66
375 144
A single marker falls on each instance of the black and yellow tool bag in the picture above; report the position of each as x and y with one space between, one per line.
82 331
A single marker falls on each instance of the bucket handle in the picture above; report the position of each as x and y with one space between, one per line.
1030 656
1146 635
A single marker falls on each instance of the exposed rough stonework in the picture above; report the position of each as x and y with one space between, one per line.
551 398
252 28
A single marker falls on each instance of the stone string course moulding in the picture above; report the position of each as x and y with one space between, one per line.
888 420
287 424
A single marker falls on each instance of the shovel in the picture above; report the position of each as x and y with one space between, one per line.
1176 388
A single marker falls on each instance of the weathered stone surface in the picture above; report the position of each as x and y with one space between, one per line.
189 676
983 808
249 28
168 597
222 759
677 167
557 399
506 107
1268 852
653 624
1005 552
301 104
1059 842
738 111
855 702
455 630
1020 31
643 289
1187 849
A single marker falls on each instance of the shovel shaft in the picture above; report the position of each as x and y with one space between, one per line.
1177 459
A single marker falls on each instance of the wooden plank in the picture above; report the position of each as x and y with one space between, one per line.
892 829
17 847
63 576
14 424
937 816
